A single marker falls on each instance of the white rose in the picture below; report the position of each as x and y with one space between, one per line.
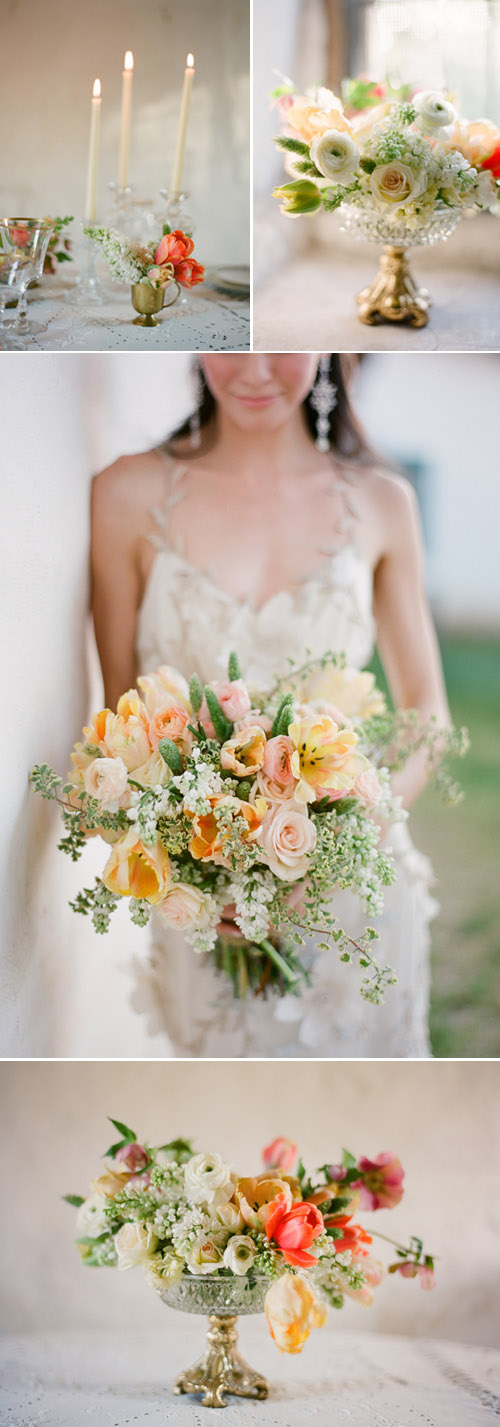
205 1255
395 184
91 1219
239 1254
288 837
229 1215
134 1243
183 906
433 110
208 1180
336 155
106 780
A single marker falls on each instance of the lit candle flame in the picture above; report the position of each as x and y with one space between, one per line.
128 62
190 61
96 92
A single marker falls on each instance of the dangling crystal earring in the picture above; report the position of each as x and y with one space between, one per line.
324 399
194 420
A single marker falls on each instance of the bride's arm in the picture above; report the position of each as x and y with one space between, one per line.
116 584
406 639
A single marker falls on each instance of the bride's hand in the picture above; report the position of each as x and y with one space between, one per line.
227 925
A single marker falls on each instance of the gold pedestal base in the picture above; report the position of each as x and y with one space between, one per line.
394 297
221 1369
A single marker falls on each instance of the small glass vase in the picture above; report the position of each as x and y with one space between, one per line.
221 1369
88 290
394 295
148 301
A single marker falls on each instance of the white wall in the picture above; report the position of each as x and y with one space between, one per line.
443 409
439 1117
53 51
61 419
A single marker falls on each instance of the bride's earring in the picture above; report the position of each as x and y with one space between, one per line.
324 399
194 420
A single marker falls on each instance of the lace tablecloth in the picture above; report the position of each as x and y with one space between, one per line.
342 1379
210 321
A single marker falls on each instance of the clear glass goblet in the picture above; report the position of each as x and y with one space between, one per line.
24 242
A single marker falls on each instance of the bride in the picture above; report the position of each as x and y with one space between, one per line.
266 525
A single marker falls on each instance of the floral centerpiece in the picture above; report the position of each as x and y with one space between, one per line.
210 1239
219 794
150 268
401 172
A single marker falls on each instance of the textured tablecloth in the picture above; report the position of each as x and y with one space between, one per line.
210 321
310 304
342 1379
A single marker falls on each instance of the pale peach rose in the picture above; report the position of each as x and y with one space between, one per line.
277 763
273 792
183 906
292 1309
476 141
288 837
134 1243
106 780
396 184
253 719
171 723
233 697
254 1198
367 787
134 870
164 686
243 754
81 760
312 117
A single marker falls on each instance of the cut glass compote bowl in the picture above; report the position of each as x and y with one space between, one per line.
220 1370
394 295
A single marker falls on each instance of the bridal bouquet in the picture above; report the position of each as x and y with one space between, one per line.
176 1213
398 165
157 263
220 795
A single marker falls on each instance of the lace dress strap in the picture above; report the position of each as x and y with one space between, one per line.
174 472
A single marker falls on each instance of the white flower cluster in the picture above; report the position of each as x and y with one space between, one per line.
252 893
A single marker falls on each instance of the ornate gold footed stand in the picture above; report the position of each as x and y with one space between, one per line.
221 1369
394 297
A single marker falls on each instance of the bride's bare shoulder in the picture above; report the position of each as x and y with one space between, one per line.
130 483
389 495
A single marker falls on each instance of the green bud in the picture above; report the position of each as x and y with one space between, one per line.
301 196
195 693
233 668
170 754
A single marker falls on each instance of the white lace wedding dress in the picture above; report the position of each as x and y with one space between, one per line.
188 620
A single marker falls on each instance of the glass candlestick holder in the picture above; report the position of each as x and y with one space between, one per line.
88 289
174 211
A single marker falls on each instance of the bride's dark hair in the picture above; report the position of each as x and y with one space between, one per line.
346 434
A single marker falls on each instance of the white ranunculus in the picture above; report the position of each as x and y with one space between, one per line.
434 112
208 1180
134 1243
229 1216
485 190
205 1255
106 780
336 155
239 1254
287 837
395 185
91 1219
